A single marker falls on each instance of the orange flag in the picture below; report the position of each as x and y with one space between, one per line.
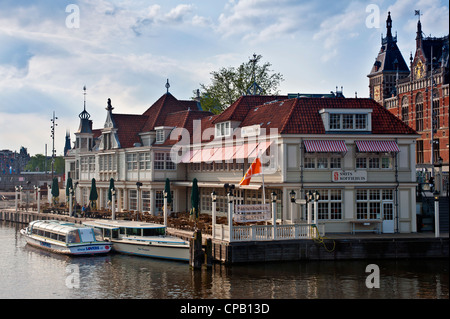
254 169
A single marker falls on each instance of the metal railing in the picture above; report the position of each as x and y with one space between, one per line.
266 232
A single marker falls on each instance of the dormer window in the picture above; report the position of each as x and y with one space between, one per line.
345 120
162 132
159 136
223 129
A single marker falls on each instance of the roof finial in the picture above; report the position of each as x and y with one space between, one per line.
84 93
84 115
417 13
389 25
167 85
109 106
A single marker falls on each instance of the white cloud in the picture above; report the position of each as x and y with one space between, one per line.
335 30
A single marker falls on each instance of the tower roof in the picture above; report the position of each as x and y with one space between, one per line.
389 57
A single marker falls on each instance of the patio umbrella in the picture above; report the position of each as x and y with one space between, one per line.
111 186
55 190
167 190
93 196
69 185
194 199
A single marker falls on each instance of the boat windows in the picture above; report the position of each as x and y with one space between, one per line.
160 231
115 233
98 234
73 237
133 231
62 238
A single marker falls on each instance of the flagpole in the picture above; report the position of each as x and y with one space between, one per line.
262 173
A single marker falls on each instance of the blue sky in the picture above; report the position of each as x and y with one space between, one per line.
125 50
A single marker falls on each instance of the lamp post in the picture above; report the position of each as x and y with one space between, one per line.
38 199
138 204
309 198
165 207
292 196
316 197
274 214
230 214
113 203
70 201
436 213
213 208
75 196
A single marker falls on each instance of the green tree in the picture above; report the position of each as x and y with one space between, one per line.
228 84
39 163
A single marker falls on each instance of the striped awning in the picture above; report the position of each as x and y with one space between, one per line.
325 146
377 146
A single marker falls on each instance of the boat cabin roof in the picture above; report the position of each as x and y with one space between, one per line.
55 226
116 224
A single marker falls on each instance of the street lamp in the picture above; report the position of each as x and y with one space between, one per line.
274 213
230 213
213 213
436 213
113 203
138 204
292 194
316 197
38 192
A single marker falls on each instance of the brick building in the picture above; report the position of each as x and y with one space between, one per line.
419 96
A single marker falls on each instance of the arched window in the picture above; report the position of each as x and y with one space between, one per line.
419 112
436 110
405 109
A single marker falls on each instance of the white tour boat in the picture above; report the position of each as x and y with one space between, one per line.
65 238
142 239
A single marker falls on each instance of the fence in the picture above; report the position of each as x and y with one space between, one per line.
266 232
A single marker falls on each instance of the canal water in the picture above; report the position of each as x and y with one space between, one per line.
27 272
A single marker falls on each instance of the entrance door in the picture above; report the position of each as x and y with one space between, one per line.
388 218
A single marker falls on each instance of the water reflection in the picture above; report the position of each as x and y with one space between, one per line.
29 272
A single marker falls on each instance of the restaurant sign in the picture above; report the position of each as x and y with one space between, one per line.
349 176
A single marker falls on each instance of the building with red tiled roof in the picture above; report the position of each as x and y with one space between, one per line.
353 152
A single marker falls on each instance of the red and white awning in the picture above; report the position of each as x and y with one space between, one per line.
226 153
377 146
325 146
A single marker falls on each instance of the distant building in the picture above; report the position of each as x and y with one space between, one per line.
419 96
13 162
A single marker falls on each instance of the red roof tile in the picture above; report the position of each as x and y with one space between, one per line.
128 128
301 115
239 109
164 105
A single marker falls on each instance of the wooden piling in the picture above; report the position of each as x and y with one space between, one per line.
196 252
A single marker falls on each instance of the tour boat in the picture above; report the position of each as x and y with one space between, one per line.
65 238
142 239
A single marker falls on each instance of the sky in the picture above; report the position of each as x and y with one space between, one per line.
127 49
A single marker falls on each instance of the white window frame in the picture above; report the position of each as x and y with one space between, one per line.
223 129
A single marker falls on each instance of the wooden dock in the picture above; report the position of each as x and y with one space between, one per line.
333 247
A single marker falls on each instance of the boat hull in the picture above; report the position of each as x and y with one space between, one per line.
153 250
60 248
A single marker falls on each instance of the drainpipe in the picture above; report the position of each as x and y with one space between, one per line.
396 189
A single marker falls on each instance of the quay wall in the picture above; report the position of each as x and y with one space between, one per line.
24 217
344 249
292 250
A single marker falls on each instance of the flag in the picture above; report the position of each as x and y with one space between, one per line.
254 169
